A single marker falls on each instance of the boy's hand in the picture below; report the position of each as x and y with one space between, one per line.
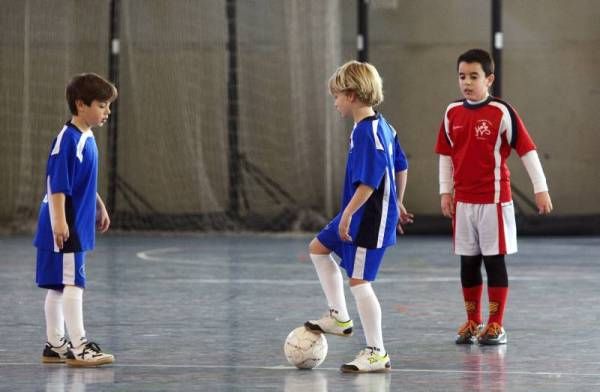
102 219
60 230
405 218
447 204
344 227
543 203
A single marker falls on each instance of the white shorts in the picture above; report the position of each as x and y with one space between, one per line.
485 229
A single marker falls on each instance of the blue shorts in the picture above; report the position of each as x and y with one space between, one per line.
359 263
56 270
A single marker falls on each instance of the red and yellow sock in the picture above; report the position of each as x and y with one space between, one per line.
472 297
497 302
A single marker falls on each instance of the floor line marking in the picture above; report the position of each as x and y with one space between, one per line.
282 367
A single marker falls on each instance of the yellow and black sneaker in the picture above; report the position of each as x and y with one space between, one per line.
368 361
492 335
468 332
329 324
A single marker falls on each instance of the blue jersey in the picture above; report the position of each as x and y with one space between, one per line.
72 169
374 157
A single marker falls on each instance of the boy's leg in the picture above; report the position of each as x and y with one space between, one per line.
73 310
472 288
331 279
57 346
362 265
55 320
495 267
330 276
369 311
83 352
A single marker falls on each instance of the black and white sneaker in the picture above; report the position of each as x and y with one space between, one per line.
56 354
88 354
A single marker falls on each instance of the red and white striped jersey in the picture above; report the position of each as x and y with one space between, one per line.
478 138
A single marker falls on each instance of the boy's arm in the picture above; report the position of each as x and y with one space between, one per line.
102 219
60 229
446 185
361 195
404 216
533 166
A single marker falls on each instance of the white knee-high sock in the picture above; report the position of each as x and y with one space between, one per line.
332 283
73 307
55 320
370 315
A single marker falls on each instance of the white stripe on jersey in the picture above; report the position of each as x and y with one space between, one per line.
505 126
385 205
56 148
506 122
81 144
378 144
358 272
498 162
452 105
69 269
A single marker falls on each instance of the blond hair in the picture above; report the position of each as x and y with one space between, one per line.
359 78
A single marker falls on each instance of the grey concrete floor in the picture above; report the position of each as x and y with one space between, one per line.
211 312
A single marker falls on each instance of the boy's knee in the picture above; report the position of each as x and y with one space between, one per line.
317 248
356 282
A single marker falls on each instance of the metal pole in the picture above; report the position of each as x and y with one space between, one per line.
362 38
497 45
233 111
113 71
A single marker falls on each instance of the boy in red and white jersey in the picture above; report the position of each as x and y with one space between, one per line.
474 142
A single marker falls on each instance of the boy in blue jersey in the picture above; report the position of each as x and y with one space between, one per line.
69 214
372 211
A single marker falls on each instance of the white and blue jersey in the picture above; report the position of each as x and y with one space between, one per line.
374 157
72 169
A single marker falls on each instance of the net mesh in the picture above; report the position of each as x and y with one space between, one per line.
174 131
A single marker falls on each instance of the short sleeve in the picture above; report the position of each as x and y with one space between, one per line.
443 146
521 141
400 161
368 162
61 165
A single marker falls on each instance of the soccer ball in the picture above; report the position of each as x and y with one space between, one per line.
305 349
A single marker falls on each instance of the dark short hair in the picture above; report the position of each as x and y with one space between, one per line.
477 56
89 87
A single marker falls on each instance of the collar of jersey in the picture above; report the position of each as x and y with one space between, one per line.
71 125
476 105
370 118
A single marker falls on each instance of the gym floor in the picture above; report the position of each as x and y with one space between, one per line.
210 313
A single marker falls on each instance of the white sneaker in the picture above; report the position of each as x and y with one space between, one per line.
88 354
329 324
368 361
56 354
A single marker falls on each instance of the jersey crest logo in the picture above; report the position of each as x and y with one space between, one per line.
483 128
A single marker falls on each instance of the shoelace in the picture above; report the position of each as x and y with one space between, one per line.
492 329
469 326
90 346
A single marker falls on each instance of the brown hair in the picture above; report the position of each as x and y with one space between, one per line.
89 87
478 56
359 78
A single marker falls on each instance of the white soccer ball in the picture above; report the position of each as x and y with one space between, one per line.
305 349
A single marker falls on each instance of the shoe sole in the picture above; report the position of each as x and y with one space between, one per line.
53 360
316 329
488 343
384 370
471 340
78 363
